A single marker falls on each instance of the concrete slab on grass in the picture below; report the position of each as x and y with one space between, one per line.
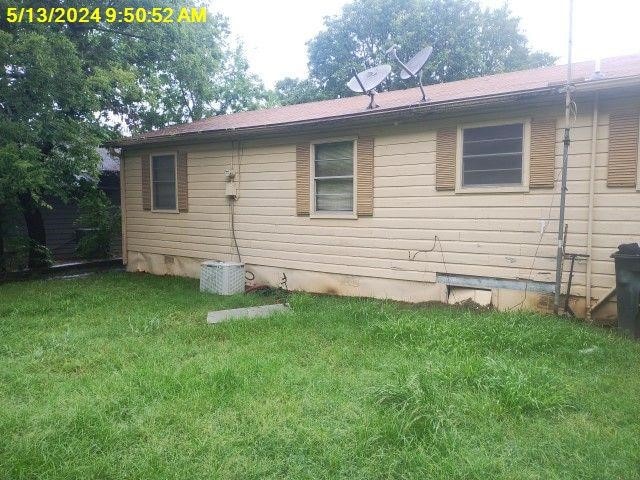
248 312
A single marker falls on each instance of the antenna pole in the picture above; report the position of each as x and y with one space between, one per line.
364 90
424 95
565 161
406 69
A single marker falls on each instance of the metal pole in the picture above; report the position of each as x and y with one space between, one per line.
565 161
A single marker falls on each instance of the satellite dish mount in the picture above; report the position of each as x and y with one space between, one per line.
413 68
367 80
371 93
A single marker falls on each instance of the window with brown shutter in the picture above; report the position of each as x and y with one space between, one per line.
543 153
446 140
623 148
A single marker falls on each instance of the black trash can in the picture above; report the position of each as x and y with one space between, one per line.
627 260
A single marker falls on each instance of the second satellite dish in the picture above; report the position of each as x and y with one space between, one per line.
413 68
367 80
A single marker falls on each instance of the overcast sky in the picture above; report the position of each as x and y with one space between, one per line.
275 32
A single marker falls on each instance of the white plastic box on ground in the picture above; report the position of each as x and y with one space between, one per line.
222 278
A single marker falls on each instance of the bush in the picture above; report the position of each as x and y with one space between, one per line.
98 221
15 255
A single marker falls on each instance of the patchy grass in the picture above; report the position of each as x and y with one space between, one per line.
117 376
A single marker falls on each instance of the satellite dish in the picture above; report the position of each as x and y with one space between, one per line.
413 68
367 80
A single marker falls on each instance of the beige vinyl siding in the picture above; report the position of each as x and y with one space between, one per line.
207 221
482 234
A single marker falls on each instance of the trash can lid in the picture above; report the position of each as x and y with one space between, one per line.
624 255
627 250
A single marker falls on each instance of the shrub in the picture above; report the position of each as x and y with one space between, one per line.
99 221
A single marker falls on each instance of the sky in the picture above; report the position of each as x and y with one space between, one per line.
274 32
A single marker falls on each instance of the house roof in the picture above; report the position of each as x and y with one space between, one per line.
490 86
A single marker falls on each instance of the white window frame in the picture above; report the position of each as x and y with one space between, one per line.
526 152
175 174
312 181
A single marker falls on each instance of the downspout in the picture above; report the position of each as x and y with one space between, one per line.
123 208
592 174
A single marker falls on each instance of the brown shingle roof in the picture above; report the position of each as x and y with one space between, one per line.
487 86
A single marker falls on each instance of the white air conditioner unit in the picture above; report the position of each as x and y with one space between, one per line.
222 278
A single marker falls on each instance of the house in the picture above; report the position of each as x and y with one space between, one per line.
61 219
410 201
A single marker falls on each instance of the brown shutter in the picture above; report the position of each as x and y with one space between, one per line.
446 140
623 149
365 176
542 153
303 166
146 181
181 178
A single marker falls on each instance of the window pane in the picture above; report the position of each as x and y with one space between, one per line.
333 151
334 160
333 203
492 155
493 177
493 132
333 168
332 186
334 194
164 182
492 146
164 196
491 162
163 168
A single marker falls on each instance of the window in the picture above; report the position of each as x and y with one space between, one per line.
333 177
163 181
492 155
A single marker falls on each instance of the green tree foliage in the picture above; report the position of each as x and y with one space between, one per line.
290 91
65 88
99 220
467 41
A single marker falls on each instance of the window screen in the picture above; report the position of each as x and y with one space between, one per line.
334 176
492 155
163 175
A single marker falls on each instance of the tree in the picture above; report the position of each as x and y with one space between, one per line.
65 88
467 42
290 91
186 72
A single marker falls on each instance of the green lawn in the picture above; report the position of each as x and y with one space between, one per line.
117 376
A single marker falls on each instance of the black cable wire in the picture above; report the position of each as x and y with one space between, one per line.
413 256
535 255
233 229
